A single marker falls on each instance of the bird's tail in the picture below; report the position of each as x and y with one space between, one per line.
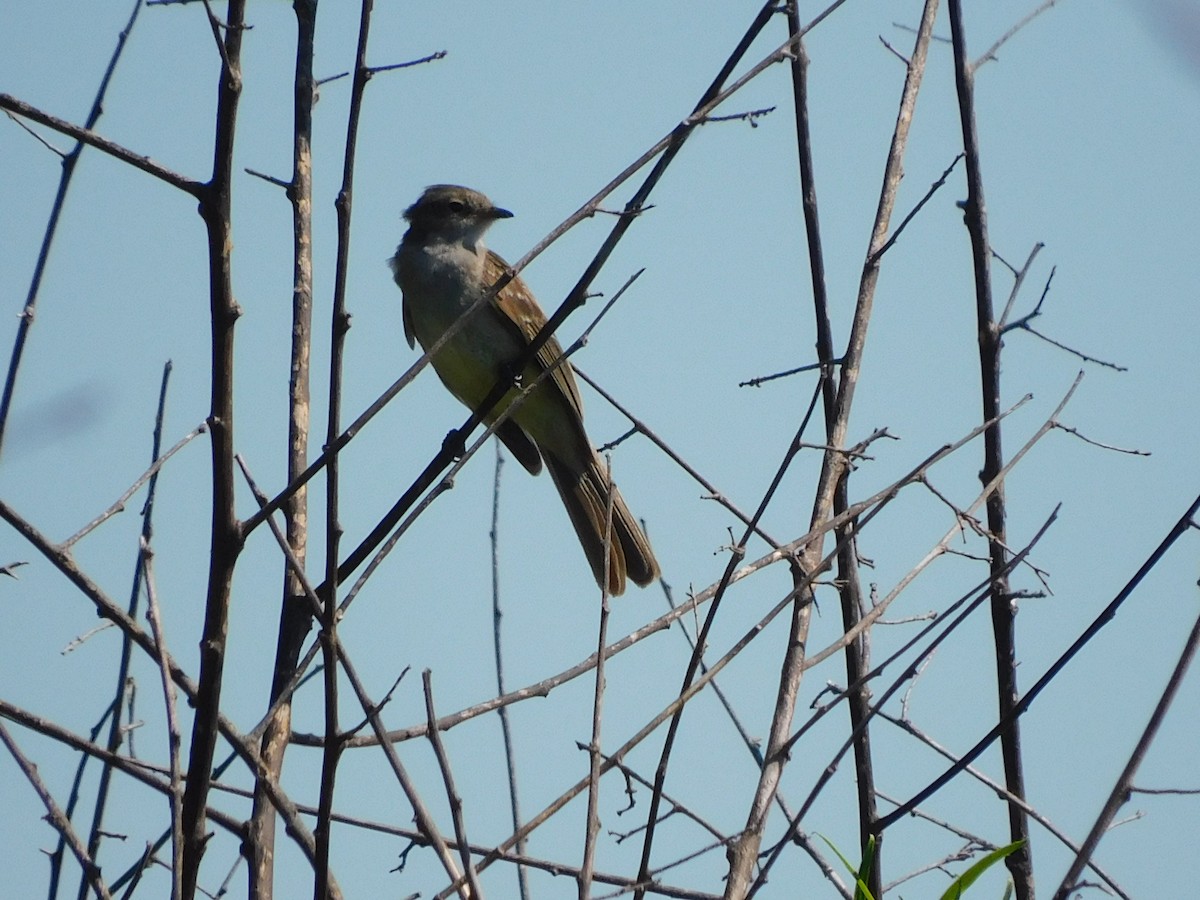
586 497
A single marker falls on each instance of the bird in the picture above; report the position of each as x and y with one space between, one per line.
442 268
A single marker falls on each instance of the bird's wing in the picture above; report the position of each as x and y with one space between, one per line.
517 303
405 312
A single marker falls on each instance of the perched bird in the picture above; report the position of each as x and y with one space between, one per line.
442 267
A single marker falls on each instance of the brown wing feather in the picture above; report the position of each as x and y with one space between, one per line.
517 303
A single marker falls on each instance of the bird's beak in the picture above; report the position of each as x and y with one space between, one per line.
497 213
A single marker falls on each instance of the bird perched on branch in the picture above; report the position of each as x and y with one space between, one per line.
443 267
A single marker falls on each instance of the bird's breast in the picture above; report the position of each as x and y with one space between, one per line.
440 284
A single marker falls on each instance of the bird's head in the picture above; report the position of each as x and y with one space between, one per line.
452 213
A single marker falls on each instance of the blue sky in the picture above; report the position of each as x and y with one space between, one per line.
1088 127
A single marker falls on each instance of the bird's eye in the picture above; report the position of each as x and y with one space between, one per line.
457 206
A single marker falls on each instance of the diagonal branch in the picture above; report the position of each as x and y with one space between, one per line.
69 161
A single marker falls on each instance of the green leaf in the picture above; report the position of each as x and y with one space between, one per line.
969 877
861 891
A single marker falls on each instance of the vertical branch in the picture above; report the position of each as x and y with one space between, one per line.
115 730
339 325
174 736
28 311
743 852
760 22
850 590
295 617
595 758
1003 610
226 540
471 889
505 727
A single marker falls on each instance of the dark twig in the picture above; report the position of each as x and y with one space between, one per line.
89 137
452 795
912 214
1018 280
391 67
1025 326
270 179
906 724
595 758
115 733
1120 792
174 735
1087 440
510 761
1019 863
61 823
760 380
225 542
749 117
1185 522
970 602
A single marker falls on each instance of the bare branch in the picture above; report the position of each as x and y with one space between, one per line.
89 137
55 815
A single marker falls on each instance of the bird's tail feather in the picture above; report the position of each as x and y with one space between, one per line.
586 499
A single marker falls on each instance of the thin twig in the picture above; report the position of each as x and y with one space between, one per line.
862 510
391 67
89 137
1185 523
976 598
471 889
1084 356
988 329
123 681
510 762
1018 280
592 828
149 475
55 815
1120 791
749 117
933 189
108 609
1087 440
174 735
990 53
69 162
907 725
